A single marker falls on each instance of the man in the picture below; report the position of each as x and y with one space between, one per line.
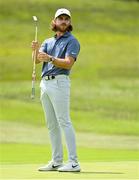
58 55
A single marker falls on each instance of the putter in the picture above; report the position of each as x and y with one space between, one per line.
34 59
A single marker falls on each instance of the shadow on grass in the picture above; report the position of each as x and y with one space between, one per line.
91 172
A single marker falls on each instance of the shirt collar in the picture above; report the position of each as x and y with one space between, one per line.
66 34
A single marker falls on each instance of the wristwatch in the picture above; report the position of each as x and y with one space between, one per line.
52 59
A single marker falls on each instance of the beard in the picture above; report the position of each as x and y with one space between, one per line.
62 28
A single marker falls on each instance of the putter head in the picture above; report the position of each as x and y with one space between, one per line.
35 18
33 93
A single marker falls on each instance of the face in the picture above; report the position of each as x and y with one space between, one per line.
62 23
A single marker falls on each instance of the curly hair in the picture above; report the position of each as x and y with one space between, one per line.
54 28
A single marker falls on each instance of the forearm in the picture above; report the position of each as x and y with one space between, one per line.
63 63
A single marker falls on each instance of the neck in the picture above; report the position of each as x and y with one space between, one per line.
59 33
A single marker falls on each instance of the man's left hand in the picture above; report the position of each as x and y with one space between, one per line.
43 57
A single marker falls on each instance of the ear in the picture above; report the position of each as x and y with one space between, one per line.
54 21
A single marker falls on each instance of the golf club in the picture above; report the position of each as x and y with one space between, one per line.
34 59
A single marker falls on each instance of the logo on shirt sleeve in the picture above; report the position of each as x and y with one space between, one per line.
73 53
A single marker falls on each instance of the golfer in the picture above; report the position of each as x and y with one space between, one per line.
57 55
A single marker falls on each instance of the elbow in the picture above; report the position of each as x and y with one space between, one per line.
68 65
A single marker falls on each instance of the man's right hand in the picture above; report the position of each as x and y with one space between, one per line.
34 45
35 50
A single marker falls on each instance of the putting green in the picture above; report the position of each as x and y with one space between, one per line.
95 170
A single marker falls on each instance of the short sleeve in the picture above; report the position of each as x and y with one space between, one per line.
73 48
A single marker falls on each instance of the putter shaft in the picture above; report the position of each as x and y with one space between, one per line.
34 59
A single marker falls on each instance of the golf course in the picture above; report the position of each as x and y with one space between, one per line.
104 90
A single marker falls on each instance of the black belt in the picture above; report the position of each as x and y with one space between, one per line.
49 77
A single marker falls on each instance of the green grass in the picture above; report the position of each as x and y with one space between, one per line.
99 170
95 163
91 109
108 33
31 153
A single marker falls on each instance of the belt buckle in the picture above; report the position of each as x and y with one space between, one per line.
46 78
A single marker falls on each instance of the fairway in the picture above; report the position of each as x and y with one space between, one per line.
95 170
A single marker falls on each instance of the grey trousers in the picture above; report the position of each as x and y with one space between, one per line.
55 98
